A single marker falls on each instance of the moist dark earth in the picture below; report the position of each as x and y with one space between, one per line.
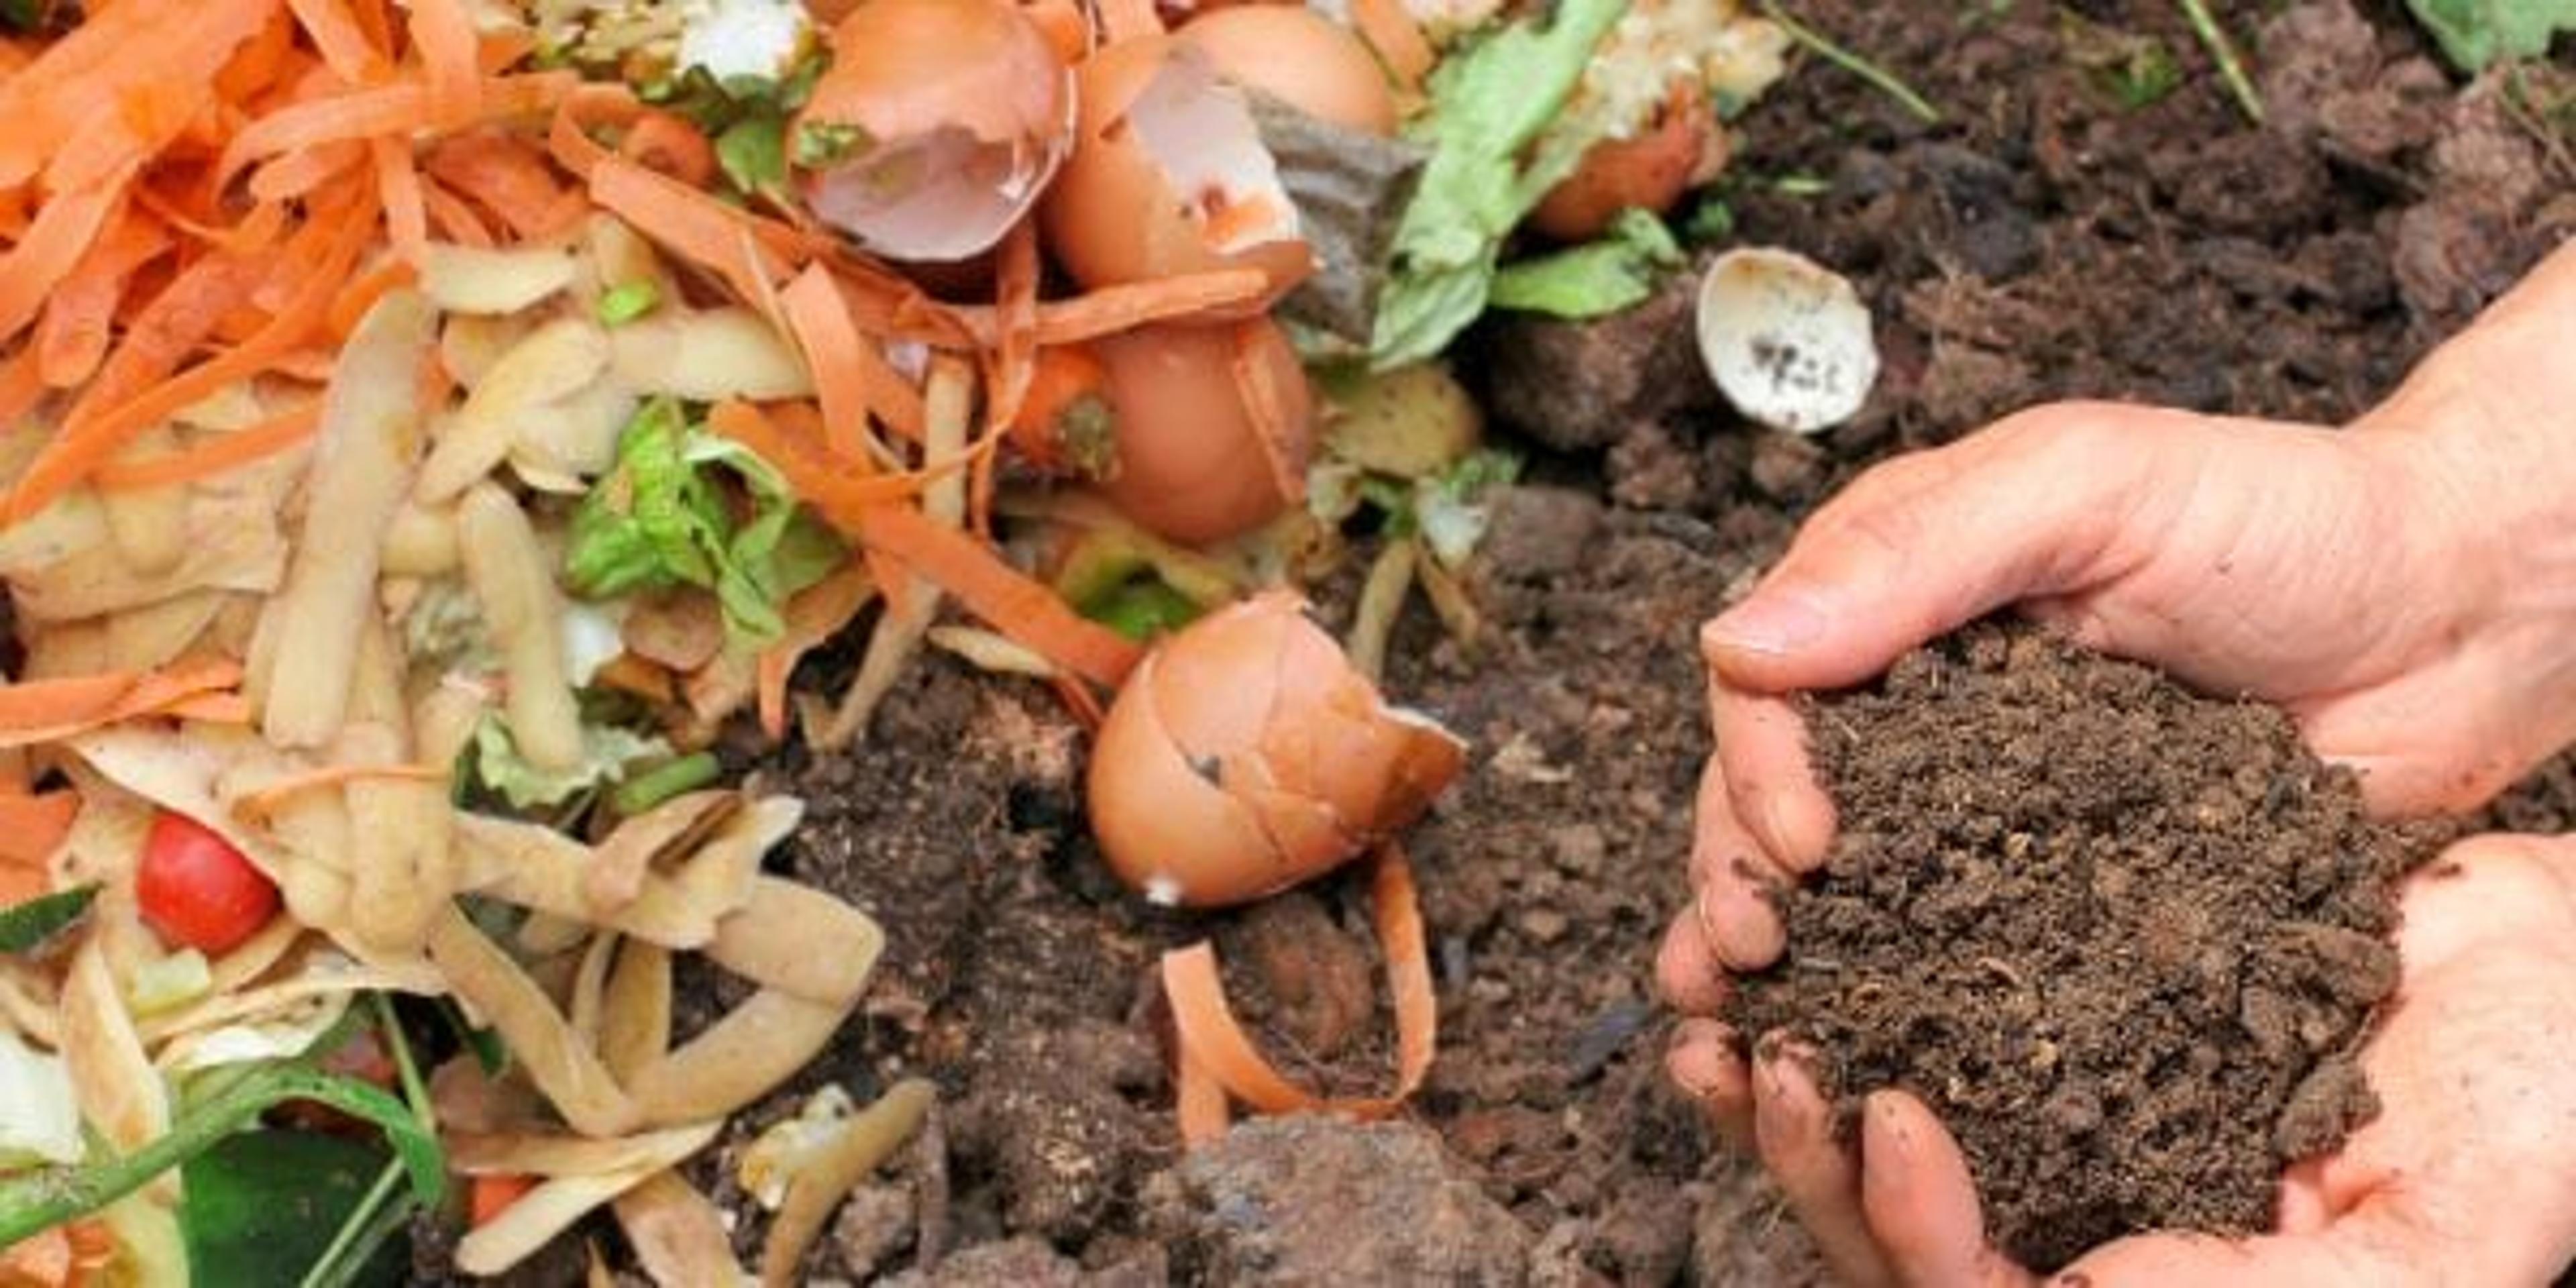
2124 940
2047 239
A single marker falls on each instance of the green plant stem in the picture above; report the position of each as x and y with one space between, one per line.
358 1230
2223 51
1878 77
415 1092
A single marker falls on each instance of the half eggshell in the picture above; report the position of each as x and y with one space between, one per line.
1787 340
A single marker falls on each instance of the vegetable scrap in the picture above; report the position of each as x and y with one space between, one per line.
426 429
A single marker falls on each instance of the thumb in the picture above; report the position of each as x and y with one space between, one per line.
2035 505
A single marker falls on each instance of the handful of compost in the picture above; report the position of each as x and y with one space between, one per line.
1246 754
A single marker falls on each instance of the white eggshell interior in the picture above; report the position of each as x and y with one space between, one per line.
1786 340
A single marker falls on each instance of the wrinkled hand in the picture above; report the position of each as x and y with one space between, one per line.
2405 588
2467 1176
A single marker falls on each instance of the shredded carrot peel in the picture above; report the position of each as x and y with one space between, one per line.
1216 1059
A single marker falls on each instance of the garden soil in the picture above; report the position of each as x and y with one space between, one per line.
2044 240
2124 940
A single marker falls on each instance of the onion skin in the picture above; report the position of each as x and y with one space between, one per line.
1112 217
1651 170
1245 755
1301 58
1214 426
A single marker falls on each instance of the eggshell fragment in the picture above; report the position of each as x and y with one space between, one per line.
1168 177
1786 340
1213 426
1301 58
1246 755
943 121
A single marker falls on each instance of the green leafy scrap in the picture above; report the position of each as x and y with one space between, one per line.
26 926
1493 156
263 1207
1595 279
666 517
2474 33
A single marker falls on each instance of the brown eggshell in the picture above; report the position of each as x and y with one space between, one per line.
1114 216
963 110
1301 58
1214 427
1246 755
1650 170
1166 828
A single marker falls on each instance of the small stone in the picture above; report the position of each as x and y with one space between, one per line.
1545 925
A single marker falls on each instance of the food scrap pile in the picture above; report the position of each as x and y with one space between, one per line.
426 427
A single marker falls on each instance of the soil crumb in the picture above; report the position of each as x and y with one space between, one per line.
2122 938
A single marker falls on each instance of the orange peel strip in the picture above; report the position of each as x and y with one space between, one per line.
1214 1046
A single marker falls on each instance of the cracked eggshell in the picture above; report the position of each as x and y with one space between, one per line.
1168 177
1301 58
1214 425
1246 755
956 114
1787 341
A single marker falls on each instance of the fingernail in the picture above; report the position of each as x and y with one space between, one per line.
1771 623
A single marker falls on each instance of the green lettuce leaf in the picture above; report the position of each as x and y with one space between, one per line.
664 518
1493 156
2474 33
608 753
1591 280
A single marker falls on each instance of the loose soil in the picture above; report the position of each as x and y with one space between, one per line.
2121 938
2043 241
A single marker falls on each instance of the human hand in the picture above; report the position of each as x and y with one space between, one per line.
2405 588
2467 1175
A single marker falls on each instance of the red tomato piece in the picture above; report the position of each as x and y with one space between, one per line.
195 890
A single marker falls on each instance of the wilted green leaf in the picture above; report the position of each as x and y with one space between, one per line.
263 1206
2474 33
1595 279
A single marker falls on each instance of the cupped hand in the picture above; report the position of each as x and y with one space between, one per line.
2405 588
2466 1176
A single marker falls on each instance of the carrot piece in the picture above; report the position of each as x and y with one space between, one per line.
261 63
1066 29
1112 309
1066 377
343 44
214 455
494 1192
22 386
399 108
72 338
1128 20
815 477
40 711
66 225
509 179
86 443
1399 43
32 826
454 217
1198 1101
1209 1036
1020 608
668 144
361 295
263 802
442 32
568 138
690 223
398 182
833 349
42 702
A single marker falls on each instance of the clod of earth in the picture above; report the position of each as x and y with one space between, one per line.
2124 940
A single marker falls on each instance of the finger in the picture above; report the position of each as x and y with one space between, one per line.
2346 1259
1771 787
1919 1200
1702 1061
1686 970
2305 1207
1735 886
2031 506
1793 1127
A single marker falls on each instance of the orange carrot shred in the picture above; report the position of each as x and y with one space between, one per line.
32 826
689 223
1208 1034
1023 609
354 300
335 32
442 32
65 227
72 339
22 386
263 801
455 217
1128 20
215 454
509 179
398 181
668 144
832 344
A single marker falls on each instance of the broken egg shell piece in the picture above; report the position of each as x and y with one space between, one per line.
1787 341
1169 176
956 114
1246 755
